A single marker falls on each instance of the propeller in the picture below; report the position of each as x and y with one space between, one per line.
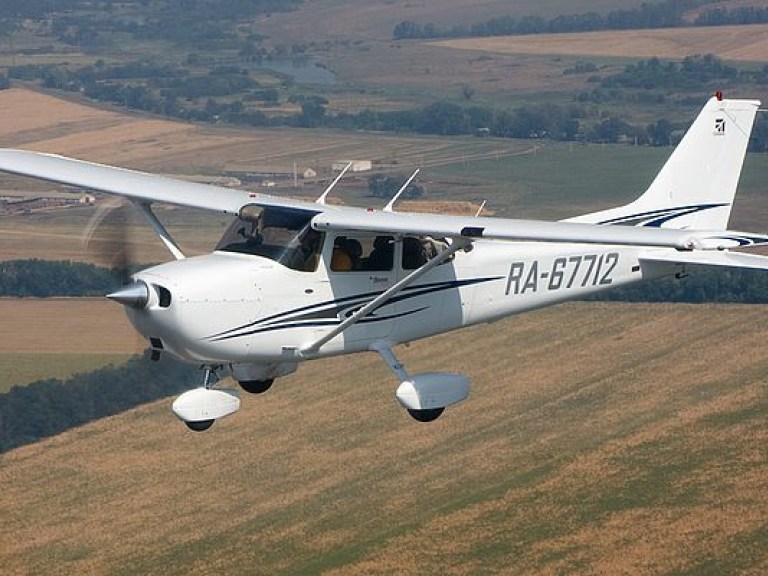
106 239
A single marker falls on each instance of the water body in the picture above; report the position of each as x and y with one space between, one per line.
303 71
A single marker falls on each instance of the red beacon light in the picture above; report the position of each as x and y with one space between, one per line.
719 95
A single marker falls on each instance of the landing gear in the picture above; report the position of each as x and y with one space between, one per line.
425 396
201 407
428 415
256 386
200 425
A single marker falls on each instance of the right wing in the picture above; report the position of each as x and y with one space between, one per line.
147 188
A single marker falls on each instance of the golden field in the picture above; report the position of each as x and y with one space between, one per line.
598 439
748 43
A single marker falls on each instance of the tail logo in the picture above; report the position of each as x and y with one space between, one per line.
719 127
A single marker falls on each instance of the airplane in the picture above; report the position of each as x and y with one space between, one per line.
292 281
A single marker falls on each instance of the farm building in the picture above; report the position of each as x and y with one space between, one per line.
357 165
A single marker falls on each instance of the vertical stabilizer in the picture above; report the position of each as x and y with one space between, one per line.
696 186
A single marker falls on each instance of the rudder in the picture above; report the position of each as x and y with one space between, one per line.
696 186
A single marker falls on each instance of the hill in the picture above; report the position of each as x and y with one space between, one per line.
599 438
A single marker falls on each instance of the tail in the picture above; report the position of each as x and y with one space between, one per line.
696 187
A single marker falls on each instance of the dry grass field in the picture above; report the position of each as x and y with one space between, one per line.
749 43
374 20
57 337
66 325
66 127
599 439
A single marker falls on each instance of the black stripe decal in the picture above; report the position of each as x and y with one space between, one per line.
327 313
655 218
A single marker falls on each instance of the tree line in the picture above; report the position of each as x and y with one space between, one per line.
42 278
667 14
226 93
49 407
204 24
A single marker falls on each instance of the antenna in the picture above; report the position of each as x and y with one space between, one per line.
391 203
479 210
321 200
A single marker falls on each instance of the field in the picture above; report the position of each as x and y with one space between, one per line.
514 180
749 43
640 451
57 337
598 439
366 20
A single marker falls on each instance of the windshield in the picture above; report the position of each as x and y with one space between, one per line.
280 234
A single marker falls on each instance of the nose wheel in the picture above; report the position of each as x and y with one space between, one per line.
200 425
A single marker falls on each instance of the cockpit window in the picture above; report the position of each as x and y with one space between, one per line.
418 250
280 234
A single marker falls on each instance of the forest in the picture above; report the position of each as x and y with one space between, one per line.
667 14
224 94
49 407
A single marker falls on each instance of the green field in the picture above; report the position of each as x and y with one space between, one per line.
19 369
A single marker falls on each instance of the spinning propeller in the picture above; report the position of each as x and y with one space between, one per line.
106 239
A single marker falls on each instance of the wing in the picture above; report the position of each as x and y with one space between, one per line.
149 188
502 229
138 186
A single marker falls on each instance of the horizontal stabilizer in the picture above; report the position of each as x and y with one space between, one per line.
707 258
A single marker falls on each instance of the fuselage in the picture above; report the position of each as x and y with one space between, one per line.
228 307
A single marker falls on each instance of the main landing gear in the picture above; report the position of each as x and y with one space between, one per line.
425 396
256 386
201 407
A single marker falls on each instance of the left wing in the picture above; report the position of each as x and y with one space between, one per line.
138 186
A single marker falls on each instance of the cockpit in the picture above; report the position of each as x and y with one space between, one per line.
284 235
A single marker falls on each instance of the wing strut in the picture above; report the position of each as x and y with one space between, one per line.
456 245
391 203
159 229
321 200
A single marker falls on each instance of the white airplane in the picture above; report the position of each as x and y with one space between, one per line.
292 281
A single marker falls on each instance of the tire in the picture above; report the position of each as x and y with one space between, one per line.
428 415
256 386
200 425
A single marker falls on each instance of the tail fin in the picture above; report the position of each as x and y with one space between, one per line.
696 187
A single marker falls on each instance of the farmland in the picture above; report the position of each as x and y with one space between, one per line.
749 43
598 439
515 176
57 337
591 464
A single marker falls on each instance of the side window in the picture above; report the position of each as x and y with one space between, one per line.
418 250
363 253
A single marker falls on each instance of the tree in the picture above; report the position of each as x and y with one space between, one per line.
660 133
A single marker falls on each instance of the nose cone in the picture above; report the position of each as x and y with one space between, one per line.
135 295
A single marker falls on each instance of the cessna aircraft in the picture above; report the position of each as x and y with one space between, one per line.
292 281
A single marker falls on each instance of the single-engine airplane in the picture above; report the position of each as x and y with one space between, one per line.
292 281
